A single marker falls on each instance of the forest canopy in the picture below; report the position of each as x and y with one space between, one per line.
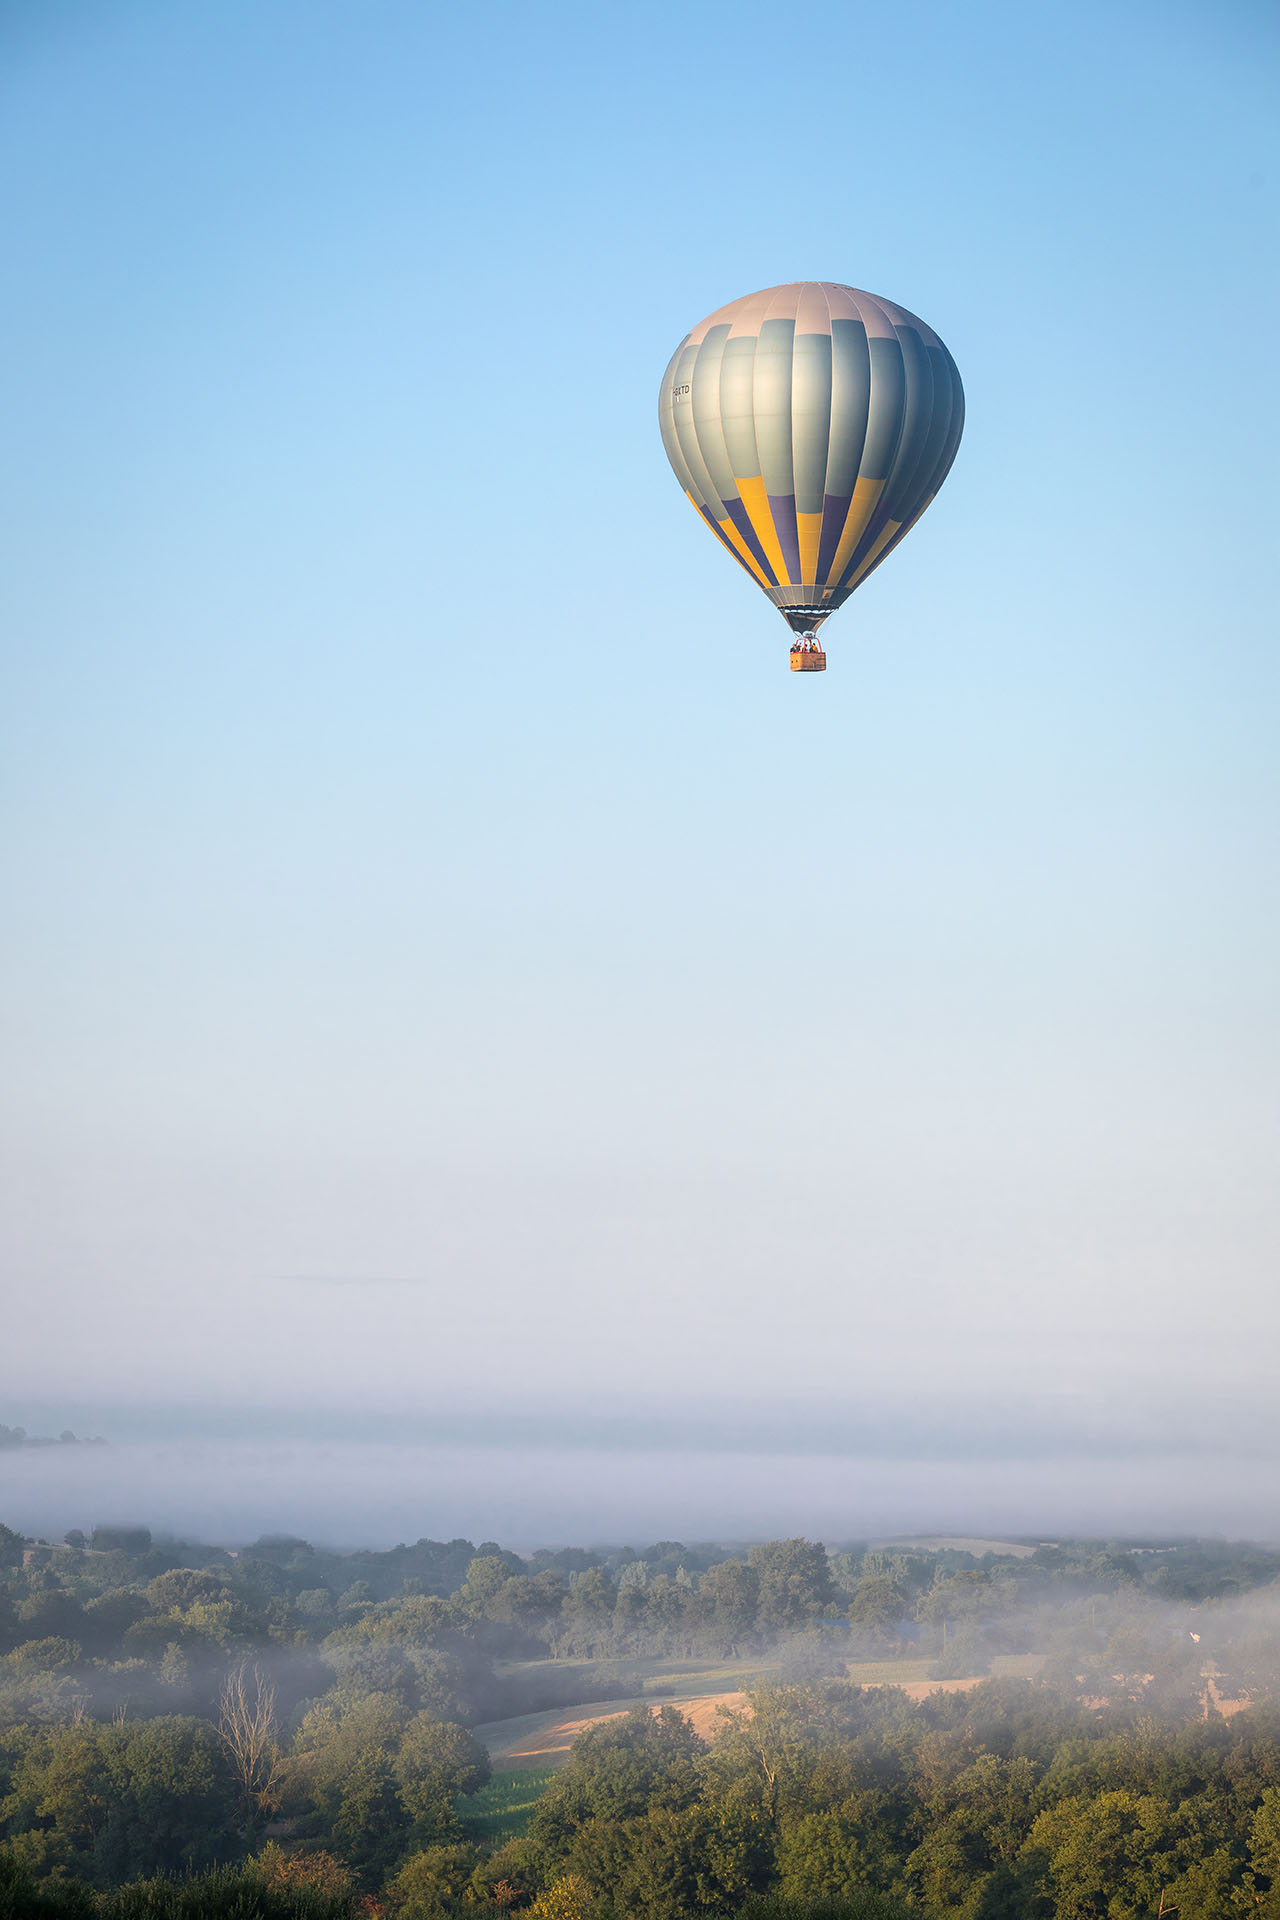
1078 1728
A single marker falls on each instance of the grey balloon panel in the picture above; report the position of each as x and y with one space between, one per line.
737 406
667 422
932 469
810 418
955 425
772 405
884 416
704 491
919 481
707 423
898 498
850 400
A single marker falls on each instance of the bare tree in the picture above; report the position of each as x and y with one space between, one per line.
247 1729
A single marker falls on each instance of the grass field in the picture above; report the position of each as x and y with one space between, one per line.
532 1744
502 1810
959 1543
1018 1666
889 1673
692 1677
529 1749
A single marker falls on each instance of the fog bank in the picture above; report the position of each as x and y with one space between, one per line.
374 1494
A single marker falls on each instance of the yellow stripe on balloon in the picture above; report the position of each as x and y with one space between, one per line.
733 539
809 533
861 507
904 527
756 502
740 546
890 530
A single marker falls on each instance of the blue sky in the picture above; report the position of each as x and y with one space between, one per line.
444 940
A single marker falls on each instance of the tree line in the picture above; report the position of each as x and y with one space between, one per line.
300 1725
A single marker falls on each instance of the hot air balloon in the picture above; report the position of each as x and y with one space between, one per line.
811 425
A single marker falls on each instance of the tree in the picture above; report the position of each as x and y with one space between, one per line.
588 1609
859 1905
795 1582
342 1781
952 1863
111 1802
23 1898
619 1771
486 1575
674 1863
432 1883
527 1600
1264 1860
319 1872
823 1856
52 1615
1113 1855
568 1898
437 1760
131 1540
770 1753
247 1729
875 1610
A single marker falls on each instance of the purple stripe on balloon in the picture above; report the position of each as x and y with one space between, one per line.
725 541
835 511
870 534
783 508
751 539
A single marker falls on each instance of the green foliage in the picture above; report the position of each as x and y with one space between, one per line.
674 1862
432 1884
860 1905
130 1540
826 1855
372 1779
637 1764
23 1897
1023 1799
108 1803
795 1582
226 1894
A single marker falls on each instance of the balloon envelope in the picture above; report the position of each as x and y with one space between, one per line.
811 425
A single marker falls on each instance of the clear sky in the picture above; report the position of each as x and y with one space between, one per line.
449 962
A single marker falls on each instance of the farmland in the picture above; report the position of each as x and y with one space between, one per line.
542 1741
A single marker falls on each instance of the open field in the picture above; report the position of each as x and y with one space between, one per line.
502 1810
959 1543
570 1680
1018 1666
542 1741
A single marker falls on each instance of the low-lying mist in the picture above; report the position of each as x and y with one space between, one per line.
372 1493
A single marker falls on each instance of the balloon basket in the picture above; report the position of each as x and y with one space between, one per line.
808 660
